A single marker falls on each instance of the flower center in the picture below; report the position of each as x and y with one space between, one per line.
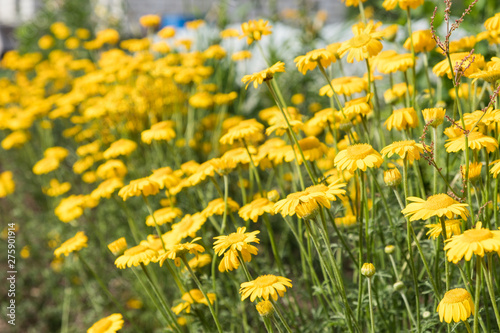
235 238
456 296
102 325
360 40
358 152
438 201
477 235
265 281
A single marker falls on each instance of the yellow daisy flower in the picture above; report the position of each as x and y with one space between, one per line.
401 119
121 147
473 241
363 45
111 169
242 131
347 85
150 21
256 208
107 188
191 297
109 324
358 156
310 60
435 205
264 75
238 240
265 286
163 215
392 177
456 305
407 149
422 41
453 227
254 30
75 243
56 189
136 255
141 186
476 141
7 185
189 225
176 252
118 246
443 67
162 131
434 116
217 207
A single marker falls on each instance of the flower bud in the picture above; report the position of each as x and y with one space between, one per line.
392 177
265 308
368 270
118 246
398 286
434 116
389 249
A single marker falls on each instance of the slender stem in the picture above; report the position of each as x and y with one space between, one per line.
491 289
209 303
405 300
372 323
280 315
478 293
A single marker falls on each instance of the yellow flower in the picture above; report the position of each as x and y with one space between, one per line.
195 24
353 3
358 106
363 45
347 85
15 139
121 147
217 207
422 41
200 261
163 215
397 62
434 116
107 188
474 171
118 246
241 55
307 203
230 261
476 141
413 4
264 75
443 67
192 297
392 177
254 30
495 169
228 33
141 186
310 60
56 189
265 286
256 208
246 129
75 243
109 324
7 185
150 21
401 119
298 99
239 240
397 91
435 205
265 308
189 225
46 42
60 30
452 228
176 252
456 305
493 23
70 208
407 149
167 32
111 169
466 43
214 52
358 156
135 256
162 131
473 241
46 165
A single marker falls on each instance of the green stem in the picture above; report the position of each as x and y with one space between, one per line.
491 289
478 293
216 319
372 323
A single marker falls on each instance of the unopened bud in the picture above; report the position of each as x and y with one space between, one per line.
389 249
368 270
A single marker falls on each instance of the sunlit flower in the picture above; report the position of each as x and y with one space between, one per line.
163 215
244 130
434 116
401 119
135 256
363 45
422 41
310 60
189 225
111 169
256 208
453 227
476 241
407 149
118 246
392 177
7 185
456 305
265 286
435 205
176 252
158 132
109 324
254 30
359 156
141 186
75 243
476 141
217 207
121 147
264 75
56 189
347 85
194 296
469 67
150 21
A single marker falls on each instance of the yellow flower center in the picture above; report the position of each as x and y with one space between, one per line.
457 295
477 235
360 40
102 325
235 238
438 201
359 152
265 281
